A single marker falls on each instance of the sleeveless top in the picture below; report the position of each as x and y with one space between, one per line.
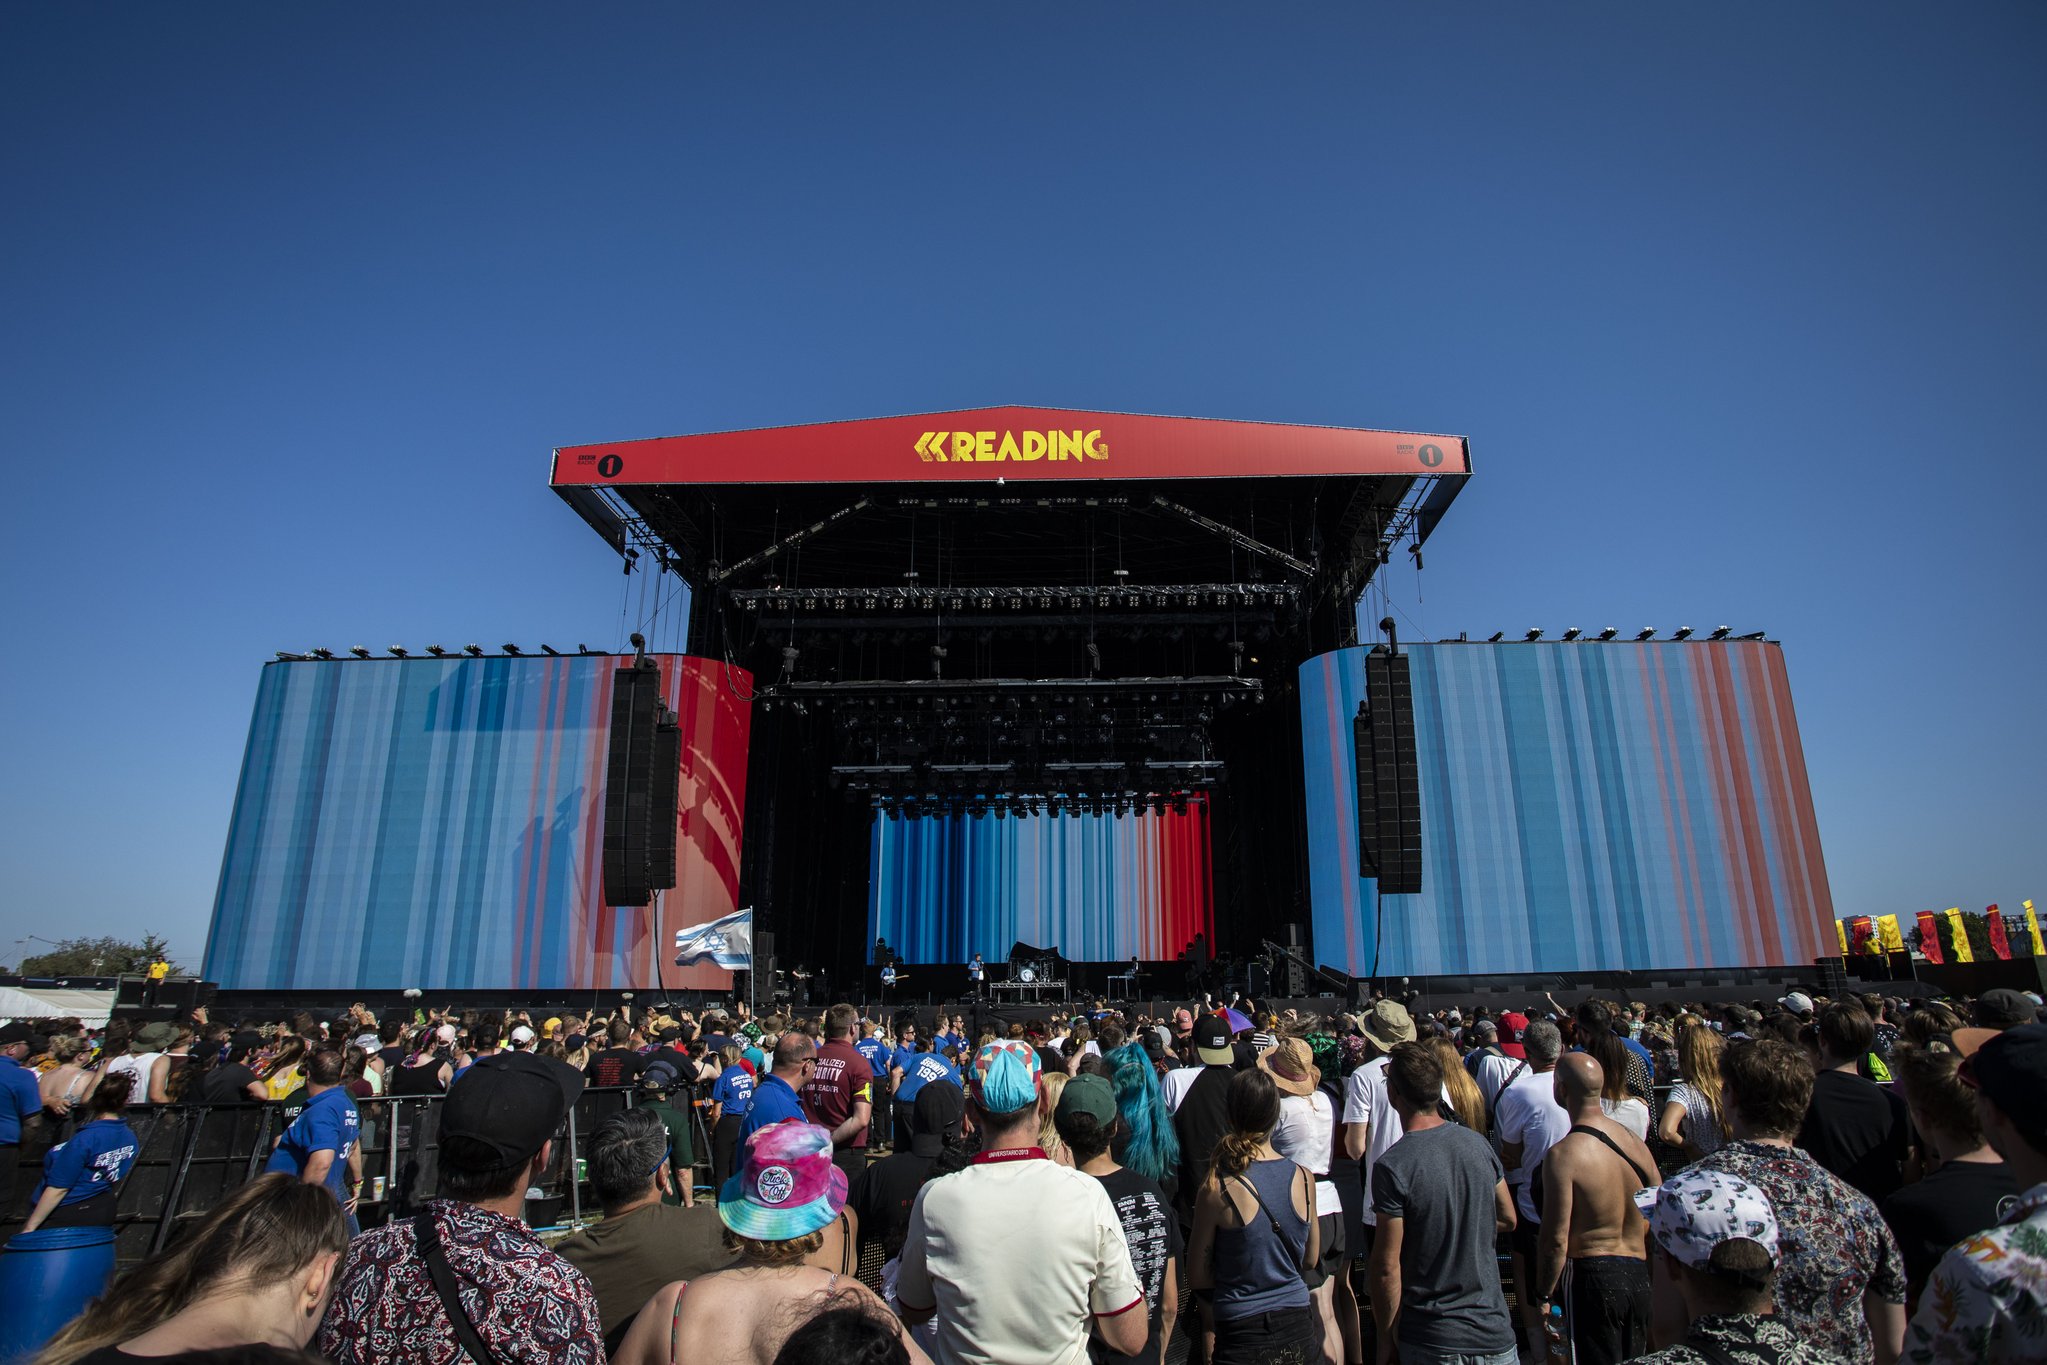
137 1065
417 1080
1257 1269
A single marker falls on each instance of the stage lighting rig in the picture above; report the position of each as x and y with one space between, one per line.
323 653
438 651
1573 633
1681 633
550 651
1609 632
1534 634
1721 632
360 651
1754 635
512 650
1496 637
285 656
397 651
473 651
1645 633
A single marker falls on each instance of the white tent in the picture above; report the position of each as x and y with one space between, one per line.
91 1008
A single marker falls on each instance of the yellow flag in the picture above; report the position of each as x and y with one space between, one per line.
1961 931
1888 935
1841 932
2033 928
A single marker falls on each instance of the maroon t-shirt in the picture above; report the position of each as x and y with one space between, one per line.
843 1080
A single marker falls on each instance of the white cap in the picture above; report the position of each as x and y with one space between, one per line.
446 1033
1798 1002
522 1036
1696 1210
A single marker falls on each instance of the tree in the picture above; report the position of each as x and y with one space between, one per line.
99 957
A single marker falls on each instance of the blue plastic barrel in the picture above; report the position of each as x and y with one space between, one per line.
46 1278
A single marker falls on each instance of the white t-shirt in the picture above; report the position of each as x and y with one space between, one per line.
1177 1082
1493 1073
1019 1255
1365 1101
1306 1124
1630 1113
137 1066
1528 1113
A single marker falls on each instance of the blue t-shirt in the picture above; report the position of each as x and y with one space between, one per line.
773 1101
734 1090
20 1099
875 1052
96 1158
929 1067
328 1123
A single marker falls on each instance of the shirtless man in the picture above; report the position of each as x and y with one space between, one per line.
1589 1179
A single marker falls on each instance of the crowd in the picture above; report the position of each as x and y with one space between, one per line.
1806 1181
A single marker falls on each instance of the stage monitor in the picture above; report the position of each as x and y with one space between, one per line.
1585 806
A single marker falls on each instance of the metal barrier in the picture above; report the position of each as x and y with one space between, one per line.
192 1155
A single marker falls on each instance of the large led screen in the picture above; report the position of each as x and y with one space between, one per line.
1585 806
1096 887
438 823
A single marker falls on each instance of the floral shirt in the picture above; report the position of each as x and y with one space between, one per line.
1832 1246
1987 1299
527 1303
1743 1339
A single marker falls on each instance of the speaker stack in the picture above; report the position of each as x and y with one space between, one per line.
1389 791
641 778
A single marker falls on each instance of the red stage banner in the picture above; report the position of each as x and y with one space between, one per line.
1860 930
1017 445
1929 937
2000 943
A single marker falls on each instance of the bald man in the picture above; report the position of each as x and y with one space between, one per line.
1593 1254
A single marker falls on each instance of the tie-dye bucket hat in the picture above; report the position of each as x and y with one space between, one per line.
786 1187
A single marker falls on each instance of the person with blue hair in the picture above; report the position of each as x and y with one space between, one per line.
1147 1143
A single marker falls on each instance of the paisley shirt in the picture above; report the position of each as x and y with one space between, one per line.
1832 1246
528 1304
1744 1339
1987 1299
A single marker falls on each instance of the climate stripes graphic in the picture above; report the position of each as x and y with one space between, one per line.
1584 807
1097 887
437 823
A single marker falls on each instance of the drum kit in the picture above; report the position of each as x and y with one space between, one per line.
1032 976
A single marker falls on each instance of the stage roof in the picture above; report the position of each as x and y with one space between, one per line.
1020 443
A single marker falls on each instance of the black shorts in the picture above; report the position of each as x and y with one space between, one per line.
1606 1309
1330 1262
1527 1232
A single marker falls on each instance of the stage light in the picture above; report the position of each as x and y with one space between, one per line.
473 651
286 657
1533 635
1573 633
360 651
1754 635
1646 633
1609 632
396 651
1496 637
512 650
1721 632
550 651
437 651
583 649
1681 633
323 653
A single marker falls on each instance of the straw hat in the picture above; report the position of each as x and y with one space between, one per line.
1293 1067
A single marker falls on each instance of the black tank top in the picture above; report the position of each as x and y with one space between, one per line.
418 1080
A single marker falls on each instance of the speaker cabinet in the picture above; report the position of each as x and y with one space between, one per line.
1389 789
641 776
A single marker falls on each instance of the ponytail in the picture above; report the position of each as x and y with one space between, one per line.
1252 1106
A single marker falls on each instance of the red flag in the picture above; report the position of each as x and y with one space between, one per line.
1999 944
1859 930
1929 937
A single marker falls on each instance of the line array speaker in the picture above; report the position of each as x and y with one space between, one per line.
641 777
1389 790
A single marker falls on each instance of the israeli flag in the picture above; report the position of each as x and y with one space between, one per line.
728 942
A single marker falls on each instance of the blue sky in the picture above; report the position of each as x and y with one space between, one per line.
1740 306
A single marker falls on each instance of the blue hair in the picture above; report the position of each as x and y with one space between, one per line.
1150 1146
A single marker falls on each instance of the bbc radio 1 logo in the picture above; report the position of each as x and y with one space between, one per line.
608 466
1430 455
987 447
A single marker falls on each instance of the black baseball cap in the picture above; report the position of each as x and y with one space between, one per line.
2002 1008
1212 1040
511 1102
16 1032
2010 1068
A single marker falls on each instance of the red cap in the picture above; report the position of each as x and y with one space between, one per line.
1512 1026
